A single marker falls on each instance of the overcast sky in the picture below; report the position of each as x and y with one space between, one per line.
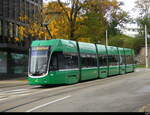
128 6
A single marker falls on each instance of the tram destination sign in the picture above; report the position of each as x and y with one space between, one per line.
40 48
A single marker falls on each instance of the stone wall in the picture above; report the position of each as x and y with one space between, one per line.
140 58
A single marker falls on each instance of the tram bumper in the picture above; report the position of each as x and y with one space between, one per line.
38 81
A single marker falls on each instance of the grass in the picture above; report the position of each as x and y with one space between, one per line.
141 66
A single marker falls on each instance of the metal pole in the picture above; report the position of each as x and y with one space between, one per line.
106 38
47 21
146 48
49 32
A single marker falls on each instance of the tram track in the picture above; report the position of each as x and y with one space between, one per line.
38 94
55 91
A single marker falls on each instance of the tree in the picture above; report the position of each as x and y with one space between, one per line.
116 18
58 24
144 7
33 28
72 14
92 27
127 42
80 20
144 18
99 15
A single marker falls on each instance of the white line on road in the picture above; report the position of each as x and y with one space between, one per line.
3 99
13 92
47 103
17 90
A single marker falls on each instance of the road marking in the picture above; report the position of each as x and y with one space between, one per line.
13 92
20 92
16 93
17 90
3 99
48 103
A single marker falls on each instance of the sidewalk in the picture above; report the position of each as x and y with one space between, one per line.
13 82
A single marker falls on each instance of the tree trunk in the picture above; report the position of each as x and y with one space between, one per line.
72 30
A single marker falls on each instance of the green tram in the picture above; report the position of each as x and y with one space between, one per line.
59 61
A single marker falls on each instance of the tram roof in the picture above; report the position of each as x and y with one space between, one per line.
71 46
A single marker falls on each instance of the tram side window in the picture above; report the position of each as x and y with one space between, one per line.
129 59
122 60
63 61
54 62
92 61
132 60
103 60
88 60
117 59
71 61
113 60
84 61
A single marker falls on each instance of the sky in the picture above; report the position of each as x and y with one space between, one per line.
128 6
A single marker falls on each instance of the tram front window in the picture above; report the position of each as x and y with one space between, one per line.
38 60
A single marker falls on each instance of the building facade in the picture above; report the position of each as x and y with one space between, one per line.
13 53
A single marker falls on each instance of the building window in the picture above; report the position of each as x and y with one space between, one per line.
17 31
6 8
11 30
18 63
1 7
3 62
0 27
6 29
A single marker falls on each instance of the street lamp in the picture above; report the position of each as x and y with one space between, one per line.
106 37
146 48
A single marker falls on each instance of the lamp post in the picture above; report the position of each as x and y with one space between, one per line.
146 48
47 21
106 37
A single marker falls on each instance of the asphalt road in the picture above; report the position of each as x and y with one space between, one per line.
122 93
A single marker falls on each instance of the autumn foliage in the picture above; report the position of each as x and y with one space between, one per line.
80 20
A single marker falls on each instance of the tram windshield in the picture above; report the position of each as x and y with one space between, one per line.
38 60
